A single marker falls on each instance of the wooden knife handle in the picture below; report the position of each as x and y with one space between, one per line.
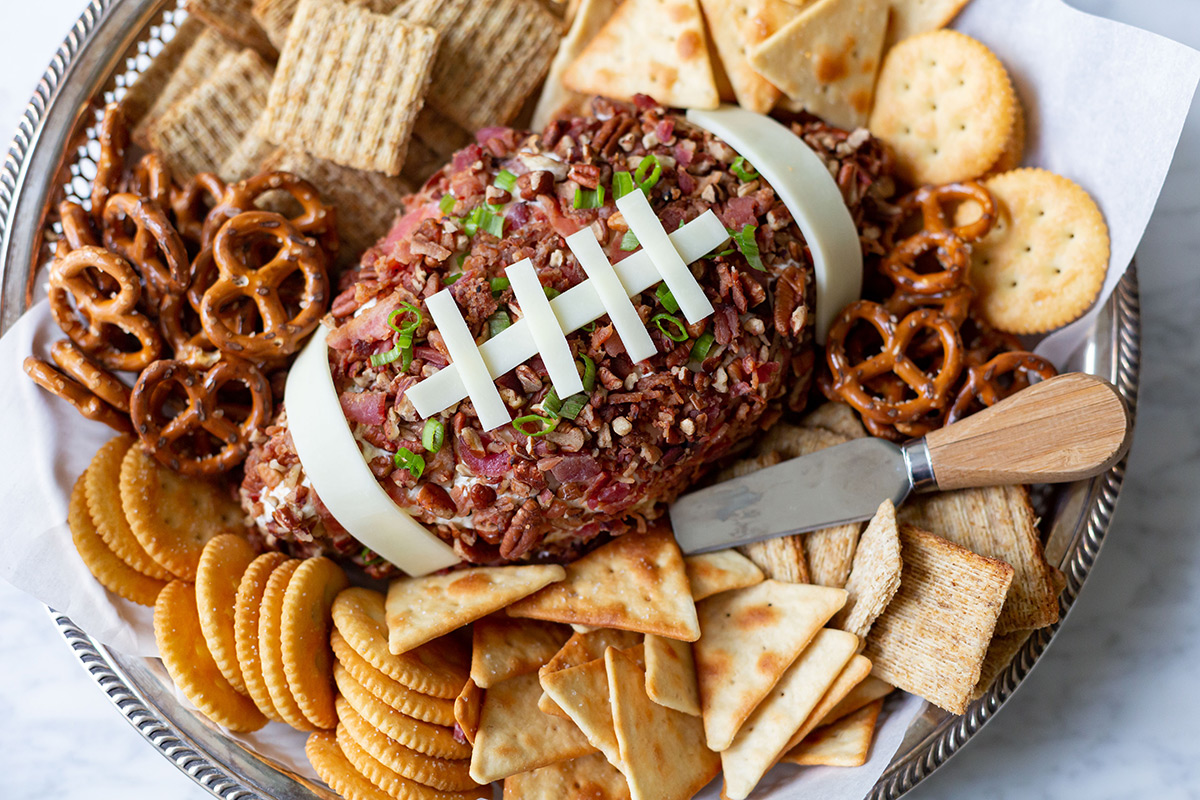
1063 429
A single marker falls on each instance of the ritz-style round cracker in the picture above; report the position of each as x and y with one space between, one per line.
440 773
332 765
222 564
439 668
1044 262
432 740
102 483
1014 146
270 646
434 710
186 657
304 638
945 104
393 783
112 573
245 629
172 515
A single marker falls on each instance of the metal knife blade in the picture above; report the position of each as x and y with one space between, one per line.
845 483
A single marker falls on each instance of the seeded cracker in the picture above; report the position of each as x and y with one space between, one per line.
845 743
153 80
671 674
198 133
910 17
945 104
172 515
102 485
825 60
270 647
432 740
875 576
1044 262
349 85
491 55
304 638
504 647
166 86
557 99
738 26
468 707
245 629
222 564
651 47
435 710
720 571
932 638
190 665
584 778
112 573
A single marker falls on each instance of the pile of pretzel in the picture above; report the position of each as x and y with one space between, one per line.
191 286
921 358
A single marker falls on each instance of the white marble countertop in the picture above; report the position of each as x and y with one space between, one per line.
1111 711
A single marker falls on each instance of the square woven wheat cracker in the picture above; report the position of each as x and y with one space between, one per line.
247 158
932 638
349 85
492 55
141 95
997 522
200 60
199 133
1000 653
232 18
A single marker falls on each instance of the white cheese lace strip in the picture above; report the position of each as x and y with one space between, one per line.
613 294
642 220
545 328
460 344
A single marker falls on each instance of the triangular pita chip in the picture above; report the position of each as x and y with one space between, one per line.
504 647
868 690
662 750
910 17
737 26
853 675
765 734
515 737
671 674
636 582
467 708
875 576
845 743
420 610
580 649
653 47
720 571
826 59
582 692
556 98
584 778
750 637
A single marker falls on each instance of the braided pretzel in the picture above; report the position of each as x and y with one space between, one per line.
235 245
932 392
193 202
932 200
155 246
110 166
95 392
315 219
152 180
179 441
982 384
90 321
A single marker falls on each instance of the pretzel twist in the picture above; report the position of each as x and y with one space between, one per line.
983 384
241 240
110 166
193 202
179 441
931 201
154 247
900 265
316 219
152 180
95 393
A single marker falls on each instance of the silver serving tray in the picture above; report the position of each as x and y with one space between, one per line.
51 158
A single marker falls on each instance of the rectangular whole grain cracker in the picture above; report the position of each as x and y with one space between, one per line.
434 141
584 778
932 638
720 571
1000 653
671 674
845 743
349 85
166 88
663 756
151 82
875 574
826 59
997 522
198 133
765 734
582 693
636 582
504 647
274 16
652 47
555 98
749 639
247 158
514 736
737 26
492 55
233 20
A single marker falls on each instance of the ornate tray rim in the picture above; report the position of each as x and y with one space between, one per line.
91 52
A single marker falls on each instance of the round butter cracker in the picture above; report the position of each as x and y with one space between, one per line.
270 646
392 782
102 483
245 629
304 638
434 710
432 740
218 576
112 573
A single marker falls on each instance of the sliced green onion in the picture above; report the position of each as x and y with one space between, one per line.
545 424
447 203
738 168
589 328
433 435
498 322
550 403
379 359
403 346
589 373
746 243
407 459
573 405
677 332
461 258
551 292
622 184
486 217
505 180
450 279
728 251
367 560
630 241
649 165
666 298
588 198
702 346
498 284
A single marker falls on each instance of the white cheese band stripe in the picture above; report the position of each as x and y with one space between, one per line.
613 294
574 308
545 328
460 344
686 290
340 476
